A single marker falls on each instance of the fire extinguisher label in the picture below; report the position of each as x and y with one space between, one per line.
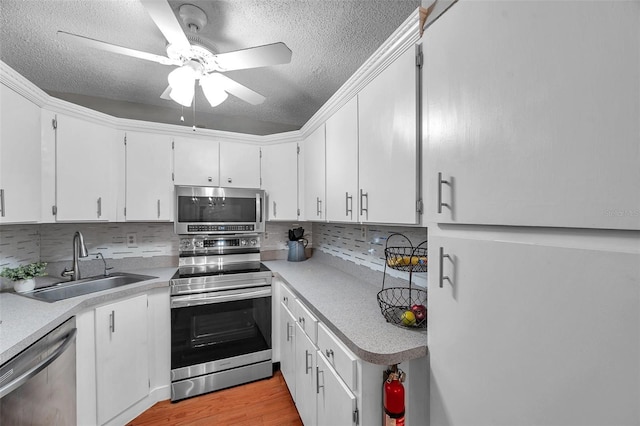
388 421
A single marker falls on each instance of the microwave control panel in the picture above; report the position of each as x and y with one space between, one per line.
220 228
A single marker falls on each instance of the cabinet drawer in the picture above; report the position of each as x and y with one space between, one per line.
308 322
287 297
341 358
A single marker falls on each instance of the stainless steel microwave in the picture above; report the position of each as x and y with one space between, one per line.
214 210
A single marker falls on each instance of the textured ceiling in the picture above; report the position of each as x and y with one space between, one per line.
329 40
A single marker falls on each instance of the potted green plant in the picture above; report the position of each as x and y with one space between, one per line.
23 275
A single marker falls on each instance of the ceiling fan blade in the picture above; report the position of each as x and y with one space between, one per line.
165 94
108 47
237 89
254 57
163 16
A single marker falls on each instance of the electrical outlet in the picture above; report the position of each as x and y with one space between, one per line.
132 240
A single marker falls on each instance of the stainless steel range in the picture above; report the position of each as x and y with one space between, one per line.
220 314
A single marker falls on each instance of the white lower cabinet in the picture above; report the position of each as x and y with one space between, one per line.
336 404
531 329
305 376
122 361
123 358
287 345
329 384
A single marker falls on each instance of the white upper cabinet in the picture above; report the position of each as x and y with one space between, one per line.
279 170
239 165
19 158
314 175
149 188
388 151
342 164
86 168
196 162
541 129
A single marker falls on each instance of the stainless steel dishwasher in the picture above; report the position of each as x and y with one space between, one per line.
38 386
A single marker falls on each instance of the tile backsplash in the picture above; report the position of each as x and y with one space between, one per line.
110 239
157 244
19 245
365 244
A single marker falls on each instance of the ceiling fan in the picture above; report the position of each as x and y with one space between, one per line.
195 61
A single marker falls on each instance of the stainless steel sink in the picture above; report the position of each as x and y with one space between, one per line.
67 290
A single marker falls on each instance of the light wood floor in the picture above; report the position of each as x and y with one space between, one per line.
265 402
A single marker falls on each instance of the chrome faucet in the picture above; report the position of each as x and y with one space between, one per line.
106 268
79 250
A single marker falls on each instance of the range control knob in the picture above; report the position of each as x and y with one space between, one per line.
254 242
198 244
243 242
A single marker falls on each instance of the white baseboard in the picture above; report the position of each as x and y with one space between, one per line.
156 395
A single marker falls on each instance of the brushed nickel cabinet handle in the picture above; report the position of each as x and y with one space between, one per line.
158 209
275 213
112 321
307 367
99 207
443 277
440 182
364 195
2 202
349 210
318 371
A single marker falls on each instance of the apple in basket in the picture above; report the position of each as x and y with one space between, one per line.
420 312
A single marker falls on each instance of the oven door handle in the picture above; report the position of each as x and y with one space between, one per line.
213 297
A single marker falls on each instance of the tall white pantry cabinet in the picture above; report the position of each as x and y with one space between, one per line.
531 154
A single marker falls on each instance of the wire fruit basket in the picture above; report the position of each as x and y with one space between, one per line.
404 306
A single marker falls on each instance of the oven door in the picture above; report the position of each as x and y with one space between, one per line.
212 210
220 330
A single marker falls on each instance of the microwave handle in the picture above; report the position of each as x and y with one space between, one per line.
259 207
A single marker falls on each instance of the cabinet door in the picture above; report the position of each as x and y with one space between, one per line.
305 354
531 127
533 334
149 189
86 165
19 158
336 404
196 162
239 165
280 180
314 175
288 348
388 150
342 164
122 357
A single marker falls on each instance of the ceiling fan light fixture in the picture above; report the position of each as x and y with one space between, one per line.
182 82
212 91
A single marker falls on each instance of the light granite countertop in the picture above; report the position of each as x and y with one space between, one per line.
25 320
340 293
343 296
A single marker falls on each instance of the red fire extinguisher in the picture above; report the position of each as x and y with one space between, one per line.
394 398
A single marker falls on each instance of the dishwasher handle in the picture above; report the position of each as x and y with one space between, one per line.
20 380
